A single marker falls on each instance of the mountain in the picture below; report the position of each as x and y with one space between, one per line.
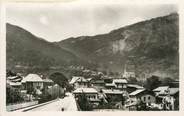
26 51
148 47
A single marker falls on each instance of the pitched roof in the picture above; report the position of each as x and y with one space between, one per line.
89 79
110 84
110 91
14 78
32 78
74 79
82 79
77 79
136 92
13 83
120 81
135 86
173 91
161 88
98 81
48 80
85 90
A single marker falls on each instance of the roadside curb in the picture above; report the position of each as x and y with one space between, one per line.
35 106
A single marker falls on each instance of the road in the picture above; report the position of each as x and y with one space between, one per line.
68 103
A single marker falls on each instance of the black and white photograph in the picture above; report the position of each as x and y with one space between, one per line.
67 56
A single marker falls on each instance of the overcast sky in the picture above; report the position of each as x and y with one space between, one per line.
58 21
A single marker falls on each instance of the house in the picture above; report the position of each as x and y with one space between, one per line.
56 91
14 81
172 99
110 85
143 95
108 79
16 85
47 82
32 82
121 83
161 91
98 84
79 82
113 95
133 87
128 74
167 98
116 83
90 93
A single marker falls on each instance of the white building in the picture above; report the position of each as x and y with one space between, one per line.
32 82
90 93
120 83
143 95
127 74
79 82
168 98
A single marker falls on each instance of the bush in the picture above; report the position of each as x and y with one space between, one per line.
84 103
13 96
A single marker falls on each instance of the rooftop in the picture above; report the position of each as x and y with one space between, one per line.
173 90
98 81
110 84
85 90
78 79
74 79
110 91
32 78
135 86
48 80
137 92
82 79
119 80
13 83
14 78
161 88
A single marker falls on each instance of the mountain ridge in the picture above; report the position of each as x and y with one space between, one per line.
122 42
27 50
147 47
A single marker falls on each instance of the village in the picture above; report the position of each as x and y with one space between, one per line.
94 92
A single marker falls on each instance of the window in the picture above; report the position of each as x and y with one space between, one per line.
144 98
149 97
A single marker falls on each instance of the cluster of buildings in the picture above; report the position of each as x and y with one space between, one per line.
118 90
31 85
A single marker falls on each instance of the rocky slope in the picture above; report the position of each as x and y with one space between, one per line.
147 47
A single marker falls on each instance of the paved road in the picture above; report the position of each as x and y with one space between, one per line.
68 103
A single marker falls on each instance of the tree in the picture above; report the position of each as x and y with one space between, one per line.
10 73
152 82
59 79
132 80
13 95
168 81
84 103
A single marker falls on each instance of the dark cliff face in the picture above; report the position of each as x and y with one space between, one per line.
151 46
